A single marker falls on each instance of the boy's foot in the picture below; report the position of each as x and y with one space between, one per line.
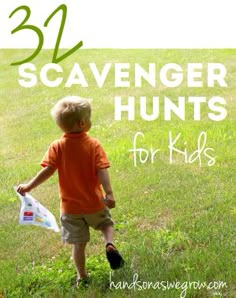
114 258
81 283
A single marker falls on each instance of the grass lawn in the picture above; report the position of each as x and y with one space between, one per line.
174 222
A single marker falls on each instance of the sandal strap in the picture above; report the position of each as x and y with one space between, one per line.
109 243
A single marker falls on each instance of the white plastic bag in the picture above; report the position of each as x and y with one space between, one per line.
34 213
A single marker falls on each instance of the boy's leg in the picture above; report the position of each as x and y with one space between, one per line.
108 233
115 259
102 221
78 255
75 231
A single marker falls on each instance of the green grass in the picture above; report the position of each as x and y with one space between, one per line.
174 222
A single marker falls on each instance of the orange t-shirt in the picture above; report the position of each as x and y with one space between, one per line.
77 157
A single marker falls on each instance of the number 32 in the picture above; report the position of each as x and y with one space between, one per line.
38 32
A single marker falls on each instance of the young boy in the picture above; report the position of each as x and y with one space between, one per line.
82 166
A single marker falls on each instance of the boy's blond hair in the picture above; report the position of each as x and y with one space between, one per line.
69 110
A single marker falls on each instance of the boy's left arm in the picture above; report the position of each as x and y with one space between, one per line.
42 176
104 179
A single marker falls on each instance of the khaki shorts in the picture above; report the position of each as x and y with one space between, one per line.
75 227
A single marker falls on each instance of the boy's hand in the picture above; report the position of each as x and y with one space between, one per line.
23 188
110 201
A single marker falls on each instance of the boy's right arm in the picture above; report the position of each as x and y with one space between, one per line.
42 176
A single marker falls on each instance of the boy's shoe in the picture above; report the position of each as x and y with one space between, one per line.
114 258
81 283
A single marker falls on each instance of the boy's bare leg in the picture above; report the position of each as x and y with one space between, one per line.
78 255
114 258
108 233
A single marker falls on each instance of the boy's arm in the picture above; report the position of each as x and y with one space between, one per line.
42 176
105 181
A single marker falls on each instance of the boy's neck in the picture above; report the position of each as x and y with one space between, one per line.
75 131
78 128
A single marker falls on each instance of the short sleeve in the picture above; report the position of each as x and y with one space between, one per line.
51 157
101 160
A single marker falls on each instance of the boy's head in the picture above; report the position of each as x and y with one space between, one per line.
72 114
